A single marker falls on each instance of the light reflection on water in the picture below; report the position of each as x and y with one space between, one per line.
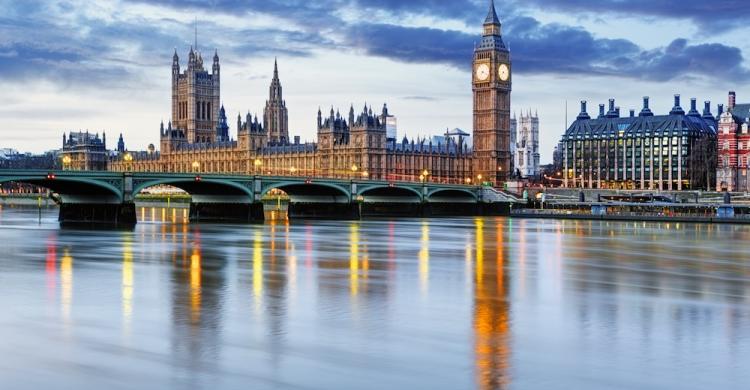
484 303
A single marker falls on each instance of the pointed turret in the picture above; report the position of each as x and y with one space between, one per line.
492 24
216 67
121 141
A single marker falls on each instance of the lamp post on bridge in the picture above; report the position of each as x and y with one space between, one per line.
257 163
355 168
196 166
66 162
128 158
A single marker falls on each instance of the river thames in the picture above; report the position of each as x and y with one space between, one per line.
487 303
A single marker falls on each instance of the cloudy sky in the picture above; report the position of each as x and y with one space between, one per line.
105 65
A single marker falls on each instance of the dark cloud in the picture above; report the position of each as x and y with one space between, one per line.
33 44
721 14
552 48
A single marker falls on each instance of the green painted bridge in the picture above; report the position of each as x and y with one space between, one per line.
109 197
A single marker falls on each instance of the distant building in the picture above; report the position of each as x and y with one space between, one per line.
653 152
525 132
12 159
391 127
84 151
455 136
733 147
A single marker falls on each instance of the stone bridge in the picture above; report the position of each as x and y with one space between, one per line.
109 197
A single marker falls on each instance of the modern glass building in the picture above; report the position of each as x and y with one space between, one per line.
647 151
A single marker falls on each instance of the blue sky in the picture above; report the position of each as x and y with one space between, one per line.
104 65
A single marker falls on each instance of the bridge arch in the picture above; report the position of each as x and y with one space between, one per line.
204 186
72 186
312 192
388 193
452 195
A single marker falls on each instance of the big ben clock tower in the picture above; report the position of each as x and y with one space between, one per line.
491 84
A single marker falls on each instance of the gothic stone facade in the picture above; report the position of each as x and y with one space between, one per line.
733 147
196 98
84 151
354 147
526 151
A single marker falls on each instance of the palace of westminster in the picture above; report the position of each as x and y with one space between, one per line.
354 145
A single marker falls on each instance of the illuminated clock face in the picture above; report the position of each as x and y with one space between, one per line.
483 72
503 72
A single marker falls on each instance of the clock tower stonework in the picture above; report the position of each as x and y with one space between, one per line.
491 84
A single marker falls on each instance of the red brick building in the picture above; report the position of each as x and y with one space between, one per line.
734 147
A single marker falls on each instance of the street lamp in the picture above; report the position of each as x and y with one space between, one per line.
421 178
257 164
128 159
355 168
365 174
468 180
293 170
196 166
479 178
66 162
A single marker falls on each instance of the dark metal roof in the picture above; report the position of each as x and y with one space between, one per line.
741 111
492 15
653 126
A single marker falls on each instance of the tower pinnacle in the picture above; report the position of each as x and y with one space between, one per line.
492 15
492 22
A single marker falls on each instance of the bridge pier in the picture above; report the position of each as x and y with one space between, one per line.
226 212
116 214
338 211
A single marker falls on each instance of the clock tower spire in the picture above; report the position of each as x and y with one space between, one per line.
491 86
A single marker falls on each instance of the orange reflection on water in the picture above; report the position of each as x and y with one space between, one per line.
491 312
66 285
258 269
127 279
195 283
424 259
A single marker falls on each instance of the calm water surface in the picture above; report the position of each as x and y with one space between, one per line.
463 303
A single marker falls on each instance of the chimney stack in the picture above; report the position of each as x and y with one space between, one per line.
732 100
646 111
601 111
707 110
677 110
583 114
